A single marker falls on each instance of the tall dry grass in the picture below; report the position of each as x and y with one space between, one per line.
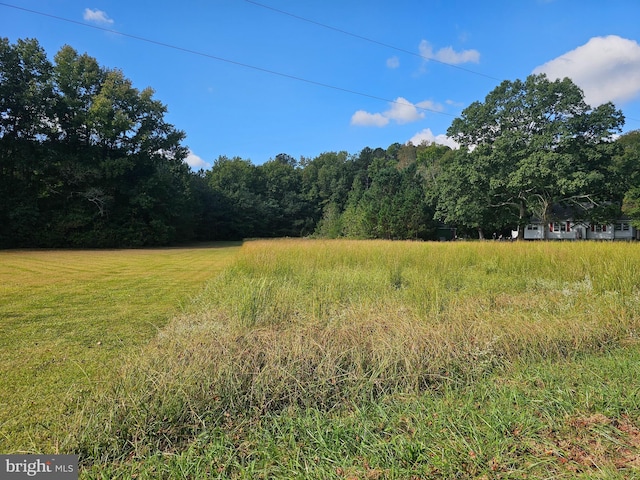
328 324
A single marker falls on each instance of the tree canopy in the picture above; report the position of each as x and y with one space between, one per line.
87 159
534 143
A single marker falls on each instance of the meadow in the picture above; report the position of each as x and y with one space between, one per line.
359 359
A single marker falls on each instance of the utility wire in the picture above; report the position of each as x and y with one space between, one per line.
370 40
221 59
265 70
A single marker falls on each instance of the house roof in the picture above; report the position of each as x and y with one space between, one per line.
578 213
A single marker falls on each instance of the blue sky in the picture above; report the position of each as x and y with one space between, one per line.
270 76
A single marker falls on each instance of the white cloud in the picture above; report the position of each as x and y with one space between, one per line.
429 105
97 16
393 62
401 111
448 54
427 135
367 119
195 162
606 68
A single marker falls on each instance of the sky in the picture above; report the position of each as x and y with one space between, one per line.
254 79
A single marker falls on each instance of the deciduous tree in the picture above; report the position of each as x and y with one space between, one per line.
536 142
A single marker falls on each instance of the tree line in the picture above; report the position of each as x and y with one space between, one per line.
87 160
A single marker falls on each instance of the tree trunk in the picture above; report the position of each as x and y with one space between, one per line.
521 224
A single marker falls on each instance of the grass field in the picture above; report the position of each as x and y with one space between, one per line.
68 320
339 359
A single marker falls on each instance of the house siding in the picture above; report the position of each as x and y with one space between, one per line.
623 230
569 230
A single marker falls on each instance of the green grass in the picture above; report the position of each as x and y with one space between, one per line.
336 359
70 319
306 358
571 419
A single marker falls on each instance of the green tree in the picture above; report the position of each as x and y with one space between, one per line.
326 181
462 192
26 106
631 205
627 174
429 161
537 143
87 159
242 187
626 163
391 203
285 205
122 165
209 209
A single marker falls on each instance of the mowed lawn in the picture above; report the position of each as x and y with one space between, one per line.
69 319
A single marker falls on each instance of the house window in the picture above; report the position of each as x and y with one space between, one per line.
532 227
598 228
559 227
622 226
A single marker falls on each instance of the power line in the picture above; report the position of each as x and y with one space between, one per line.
370 40
377 42
266 70
220 59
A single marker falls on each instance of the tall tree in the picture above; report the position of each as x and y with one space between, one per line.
26 104
462 191
242 187
392 203
87 159
119 159
537 140
627 174
326 180
286 207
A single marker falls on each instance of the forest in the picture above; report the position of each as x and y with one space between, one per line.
88 160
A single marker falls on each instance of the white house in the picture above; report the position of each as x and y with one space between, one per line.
579 230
